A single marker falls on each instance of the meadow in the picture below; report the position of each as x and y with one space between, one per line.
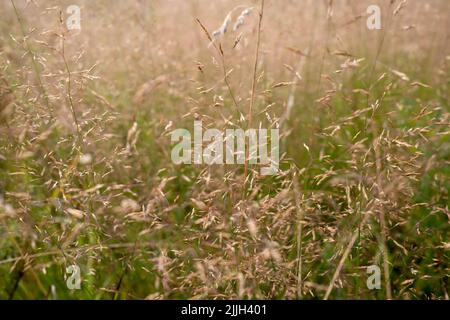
86 175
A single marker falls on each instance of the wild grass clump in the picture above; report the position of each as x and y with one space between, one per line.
86 176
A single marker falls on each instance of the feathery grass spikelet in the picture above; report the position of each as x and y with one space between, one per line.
241 19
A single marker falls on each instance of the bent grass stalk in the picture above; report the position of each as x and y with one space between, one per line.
224 70
253 90
33 60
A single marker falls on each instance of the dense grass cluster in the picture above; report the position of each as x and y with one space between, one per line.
86 176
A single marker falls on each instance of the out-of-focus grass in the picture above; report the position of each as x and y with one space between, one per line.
153 229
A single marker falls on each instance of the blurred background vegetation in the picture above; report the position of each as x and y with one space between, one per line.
86 176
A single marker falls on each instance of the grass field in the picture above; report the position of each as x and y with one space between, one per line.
87 178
